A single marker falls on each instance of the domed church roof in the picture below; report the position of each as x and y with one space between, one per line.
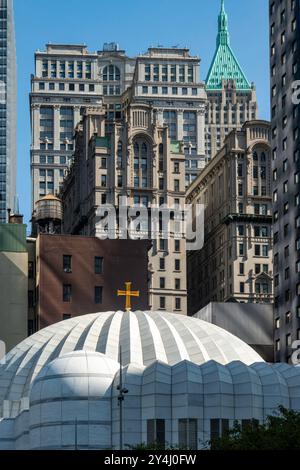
144 336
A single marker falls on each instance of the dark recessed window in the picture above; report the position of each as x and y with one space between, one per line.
98 265
98 294
67 293
67 263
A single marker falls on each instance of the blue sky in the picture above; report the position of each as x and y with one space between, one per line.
135 25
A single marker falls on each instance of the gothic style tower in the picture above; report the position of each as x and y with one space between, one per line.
231 98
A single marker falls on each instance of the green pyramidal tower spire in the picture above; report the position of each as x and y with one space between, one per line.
225 65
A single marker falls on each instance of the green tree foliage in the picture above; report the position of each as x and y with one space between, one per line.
280 432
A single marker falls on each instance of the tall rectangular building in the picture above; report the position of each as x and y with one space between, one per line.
169 80
8 97
235 263
285 70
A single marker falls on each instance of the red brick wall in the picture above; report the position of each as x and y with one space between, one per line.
124 260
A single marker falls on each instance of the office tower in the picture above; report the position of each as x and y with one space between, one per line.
235 263
137 162
67 79
285 70
8 98
231 98
169 80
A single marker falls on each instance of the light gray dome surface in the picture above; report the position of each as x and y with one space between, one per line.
145 337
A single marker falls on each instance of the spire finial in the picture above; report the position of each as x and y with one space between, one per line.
223 36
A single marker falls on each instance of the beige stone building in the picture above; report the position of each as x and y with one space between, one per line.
136 163
13 284
235 263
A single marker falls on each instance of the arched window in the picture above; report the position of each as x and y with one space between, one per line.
263 157
111 73
255 156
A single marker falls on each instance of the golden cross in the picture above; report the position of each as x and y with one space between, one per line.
128 293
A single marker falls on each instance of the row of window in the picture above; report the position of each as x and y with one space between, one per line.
188 431
67 264
154 90
259 231
67 294
177 305
82 87
52 160
63 69
165 73
259 250
286 208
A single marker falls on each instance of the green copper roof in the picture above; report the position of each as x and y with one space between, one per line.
225 65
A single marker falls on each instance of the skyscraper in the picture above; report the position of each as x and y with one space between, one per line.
8 94
285 70
231 98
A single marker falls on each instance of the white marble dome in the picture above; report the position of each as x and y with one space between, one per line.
144 336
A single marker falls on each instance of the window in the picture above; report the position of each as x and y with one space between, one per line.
67 292
265 250
162 264
156 431
257 250
103 181
177 246
162 303
177 284
277 346
241 230
177 264
162 245
242 287
288 340
162 283
67 316
177 304
98 294
277 323
242 268
98 265
218 427
111 73
176 186
188 435
241 249
67 263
